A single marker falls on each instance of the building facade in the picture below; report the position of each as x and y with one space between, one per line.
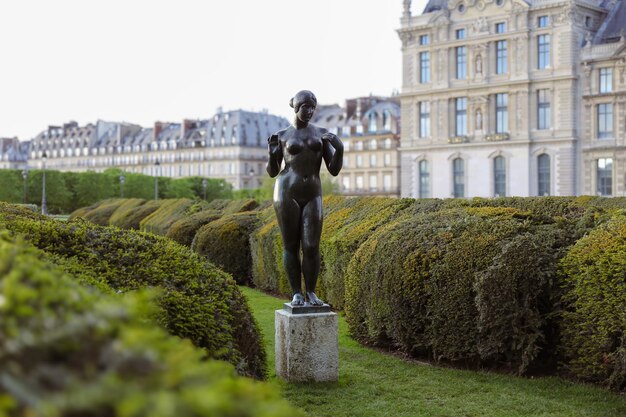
13 153
369 128
492 98
231 145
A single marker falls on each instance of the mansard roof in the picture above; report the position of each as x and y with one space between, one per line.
614 25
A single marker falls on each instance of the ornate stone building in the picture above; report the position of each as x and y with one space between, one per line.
492 97
230 145
13 154
370 130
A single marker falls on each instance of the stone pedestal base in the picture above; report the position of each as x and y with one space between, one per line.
307 346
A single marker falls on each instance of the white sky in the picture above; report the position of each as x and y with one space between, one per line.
145 60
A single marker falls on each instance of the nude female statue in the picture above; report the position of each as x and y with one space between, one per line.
298 192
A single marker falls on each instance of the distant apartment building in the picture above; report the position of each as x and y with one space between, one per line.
369 128
231 145
513 98
13 153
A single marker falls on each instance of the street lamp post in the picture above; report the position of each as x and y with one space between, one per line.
204 184
252 179
25 176
122 178
156 179
44 205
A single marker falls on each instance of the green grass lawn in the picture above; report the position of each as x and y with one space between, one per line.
373 384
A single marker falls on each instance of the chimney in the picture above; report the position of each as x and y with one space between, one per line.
186 126
158 128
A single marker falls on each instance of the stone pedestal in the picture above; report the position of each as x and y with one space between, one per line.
307 345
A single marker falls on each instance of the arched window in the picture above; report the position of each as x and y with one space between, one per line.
386 121
372 125
458 178
424 179
543 174
499 176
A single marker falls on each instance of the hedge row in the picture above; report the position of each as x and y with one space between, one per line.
485 282
66 350
199 302
181 220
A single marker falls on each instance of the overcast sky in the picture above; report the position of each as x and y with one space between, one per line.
145 60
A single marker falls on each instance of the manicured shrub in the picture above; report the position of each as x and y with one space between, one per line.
226 243
132 218
471 285
69 351
200 302
594 328
348 222
103 211
123 208
184 230
266 248
162 219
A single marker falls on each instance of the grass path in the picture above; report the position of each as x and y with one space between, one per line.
372 384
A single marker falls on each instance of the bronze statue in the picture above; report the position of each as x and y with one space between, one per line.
298 192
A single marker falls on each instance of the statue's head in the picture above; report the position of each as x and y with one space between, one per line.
301 97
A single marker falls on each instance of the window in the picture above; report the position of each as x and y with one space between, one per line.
372 127
460 33
543 21
358 146
502 113
605 120
345 183
461 62
543 51
501 57
424 109
461 116
604 176
606 80
424 40
424 179
373 144
387 182
424 67
345 131
543 174
458 178
387 143
359 129
500 27
386 120
543 110
359 161
359 182
373 160
373 183
387 160
346 162
499 176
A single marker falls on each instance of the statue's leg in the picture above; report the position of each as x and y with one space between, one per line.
289 216
311 232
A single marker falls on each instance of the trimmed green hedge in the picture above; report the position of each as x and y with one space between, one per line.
132 218
464 285
69 351
103 211
120 213
184 230
200 302
162 219
226 243
594 328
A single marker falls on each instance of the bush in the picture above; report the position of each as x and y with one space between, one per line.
594 328
102 212
68 351
184 230
200 302
123 208
266 249
132 218
473 285
162 219
226 243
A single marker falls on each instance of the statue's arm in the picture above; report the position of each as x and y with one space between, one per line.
275 156
333 153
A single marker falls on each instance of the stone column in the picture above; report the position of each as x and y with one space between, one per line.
307 344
